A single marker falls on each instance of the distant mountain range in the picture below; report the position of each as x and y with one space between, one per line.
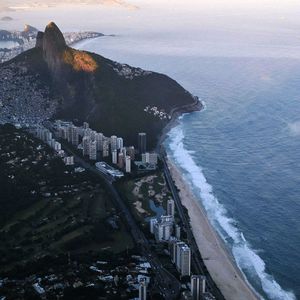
81 86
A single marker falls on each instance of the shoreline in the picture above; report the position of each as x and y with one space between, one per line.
218 261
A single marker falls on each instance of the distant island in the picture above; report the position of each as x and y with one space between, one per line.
6 19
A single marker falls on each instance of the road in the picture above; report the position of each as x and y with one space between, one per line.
165 282
196 259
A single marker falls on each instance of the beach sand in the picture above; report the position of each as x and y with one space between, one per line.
218 261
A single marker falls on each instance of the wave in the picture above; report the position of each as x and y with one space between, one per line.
245 256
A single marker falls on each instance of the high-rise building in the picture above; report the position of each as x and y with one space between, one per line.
124 151
86 145
149 158
93 150
99 139
177 231
153 158
142 290
131 152
172 248
75 136
171 207
185 260
167 218
121 160
57 146
142 142
163 228
198 286
120 143
105 148
114 157
86 125
176 253
153 221
145 158
128 164
113 143
69 160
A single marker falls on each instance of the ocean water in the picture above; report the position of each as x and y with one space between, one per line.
241 153
8 44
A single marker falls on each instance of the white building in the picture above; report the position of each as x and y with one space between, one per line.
145 157
114 155
86 125
184 260
153 158
142 290
120 143
128 164
149 158
57 146
69 160
113 143
152 222
171 207
163 228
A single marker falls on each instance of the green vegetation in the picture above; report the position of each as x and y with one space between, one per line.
140 191
48 208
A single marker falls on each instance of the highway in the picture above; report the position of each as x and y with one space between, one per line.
196 259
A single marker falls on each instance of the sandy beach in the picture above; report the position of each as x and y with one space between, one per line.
218 261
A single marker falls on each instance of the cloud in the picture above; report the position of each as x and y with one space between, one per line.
294 128
5 9
51 3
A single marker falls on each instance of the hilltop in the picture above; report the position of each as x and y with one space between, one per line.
114 98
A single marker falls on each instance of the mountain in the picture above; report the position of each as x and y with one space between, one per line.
6 19
114 98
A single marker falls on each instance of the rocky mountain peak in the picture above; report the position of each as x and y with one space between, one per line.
54 45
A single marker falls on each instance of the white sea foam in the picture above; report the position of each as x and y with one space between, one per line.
246 258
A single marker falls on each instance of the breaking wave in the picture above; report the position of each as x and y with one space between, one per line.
246 258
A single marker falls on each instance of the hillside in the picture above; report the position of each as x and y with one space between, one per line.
112 97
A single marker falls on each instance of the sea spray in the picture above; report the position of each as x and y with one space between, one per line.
246 258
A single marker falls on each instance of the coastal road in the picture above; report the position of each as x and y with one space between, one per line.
164 281
196 259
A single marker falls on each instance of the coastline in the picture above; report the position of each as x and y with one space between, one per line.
217 259
220 265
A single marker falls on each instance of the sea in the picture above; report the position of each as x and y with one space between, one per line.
240 154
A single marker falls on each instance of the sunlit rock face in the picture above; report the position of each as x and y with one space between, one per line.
59 56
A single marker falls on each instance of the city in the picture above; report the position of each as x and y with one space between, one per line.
118 161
